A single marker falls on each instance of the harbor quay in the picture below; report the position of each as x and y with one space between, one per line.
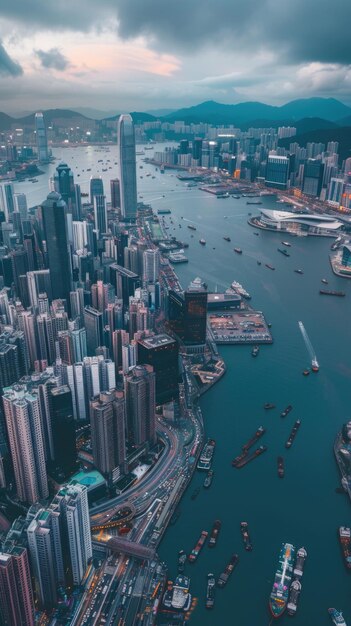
239 327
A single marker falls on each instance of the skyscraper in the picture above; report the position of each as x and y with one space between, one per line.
93 322
16 598
107 419
64 185
63 429
161 351
96 187
127 167
41 138
58 254
6 199
277 171
100 214
151 265
115 194
140 405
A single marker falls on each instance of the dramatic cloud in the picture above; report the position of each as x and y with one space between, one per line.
8 67
53 59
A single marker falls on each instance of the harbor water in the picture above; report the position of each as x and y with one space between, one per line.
303 508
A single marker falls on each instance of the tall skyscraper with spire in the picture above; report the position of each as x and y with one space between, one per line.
127 167
41 138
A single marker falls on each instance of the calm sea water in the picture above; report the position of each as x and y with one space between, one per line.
303 508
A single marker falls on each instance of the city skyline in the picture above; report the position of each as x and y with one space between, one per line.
121 55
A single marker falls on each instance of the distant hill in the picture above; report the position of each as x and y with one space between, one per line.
308 124
5 121
160 112
340 134
249 112
49 115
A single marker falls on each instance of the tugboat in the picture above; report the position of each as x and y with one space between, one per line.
295 590
196 551
238 250
300 562
181 561
224 576
281 470
208 479
214 533
280 591
210 594
269 405
286 411
244 527
255 350
345 542
337 617
226 238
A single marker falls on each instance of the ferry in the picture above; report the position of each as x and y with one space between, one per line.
337 617
300 562
200 544
293 433
281 470
287 244
240 290
224 576
214 533
244 528
206 455
345 542
210 593
280 591
238 250
294 594
177 596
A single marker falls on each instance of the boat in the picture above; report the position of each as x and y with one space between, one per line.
181 598
191 227
257 234
314 365
328 292
259 263
298 271
281 470
293 433
283 251
345 542
287 244
294 594
337 617
226 238
200 544
269 405
258 434
300 562
253 202
224 576
175 517
286 411
236 197
306 372
214 533
255 350
181 561
202 241
238 250
250 457
195 493
208 479
211 590
238 288
270 267
280 590
244 528
324 281
206 455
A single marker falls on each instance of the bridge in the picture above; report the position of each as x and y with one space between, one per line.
124 546
117 516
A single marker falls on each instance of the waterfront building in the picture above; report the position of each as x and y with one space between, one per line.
162 353
140 405
277 171
24 428
96 188
56 240
16 597
305 223
41 138
346 256
108 423
313 177
127 167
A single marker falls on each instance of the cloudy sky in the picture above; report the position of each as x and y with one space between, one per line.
145 54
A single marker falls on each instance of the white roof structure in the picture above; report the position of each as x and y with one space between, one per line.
310 219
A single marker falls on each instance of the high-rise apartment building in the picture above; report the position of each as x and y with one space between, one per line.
140 405
108 423
16 597
151 265
127 167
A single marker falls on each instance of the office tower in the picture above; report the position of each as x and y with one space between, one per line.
108 421
80 235
140 405
38 282
19 262
161 351
58 254
129 356
16 597
72 502
277 171
64 186
127 167
93 322
63 430
151 265
79 344
195 322
27 324
77 212
24 428
6 199
124 281
115 194
45 549
96 188
20 204
100 214
312 177
41 138
119 338
197 149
